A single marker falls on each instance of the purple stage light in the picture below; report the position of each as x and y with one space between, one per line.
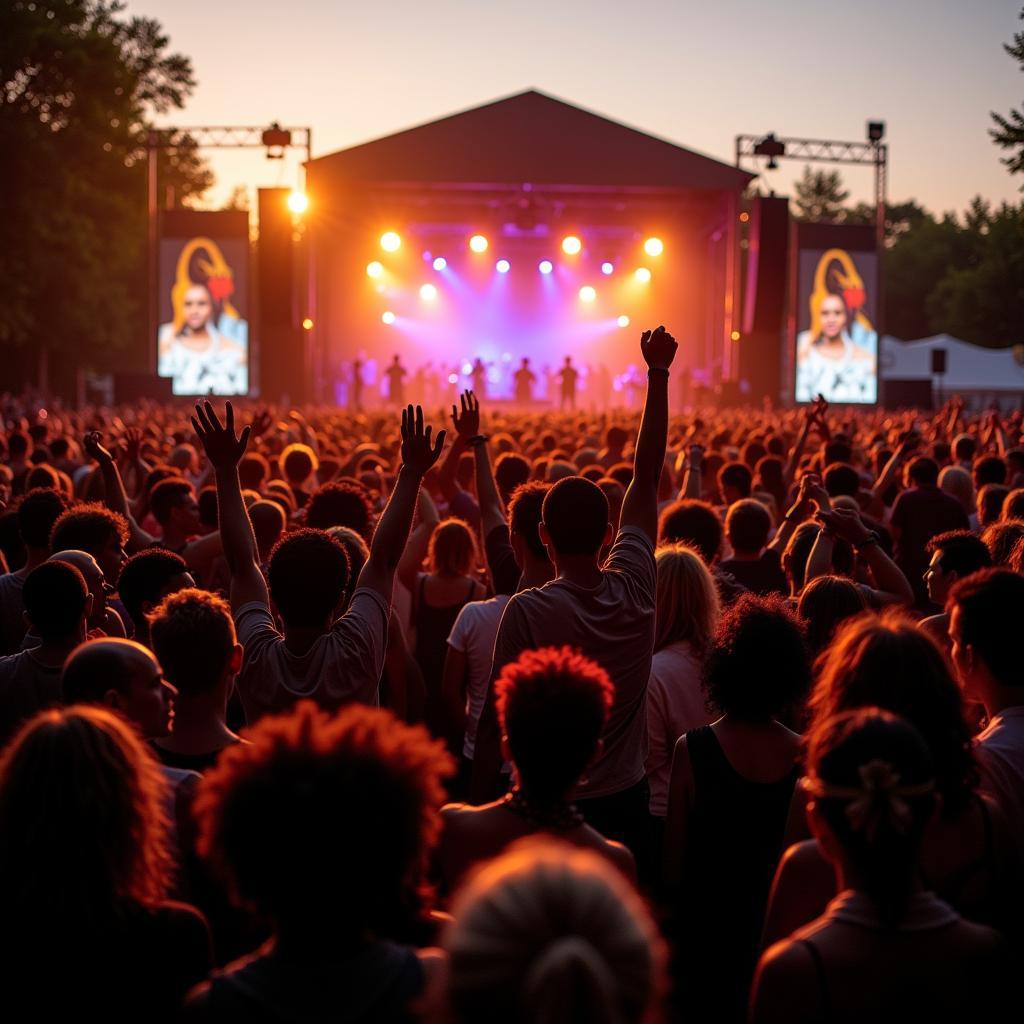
607 268
503 266
440 263
545 266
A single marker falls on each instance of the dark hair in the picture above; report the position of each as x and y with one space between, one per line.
452 550
990 604
145 578
552 704
524 515
340 504
42 476
326 818
837 450
88 527
923 470
207 501
757 667
737 476
752 453
889 662
1001 538
841 478
167 495
17 444
990 503
576 514
694 522
769 477
308 574
964 447
298 462
268 520
825 603
38 510
989 469
358 552
55 595
193 637
961 552
615 437
511 470
881 758
253 471
1013 506
747 525
798 550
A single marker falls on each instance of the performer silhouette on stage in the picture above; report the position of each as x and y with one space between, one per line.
524 378
355 395
396 382
479 377
569 375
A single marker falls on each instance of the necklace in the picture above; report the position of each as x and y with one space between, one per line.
557 817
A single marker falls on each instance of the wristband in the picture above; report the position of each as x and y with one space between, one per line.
477 439
871 538
657 369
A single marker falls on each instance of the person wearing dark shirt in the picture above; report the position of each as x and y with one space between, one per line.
747 525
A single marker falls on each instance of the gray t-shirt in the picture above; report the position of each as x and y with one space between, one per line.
343 666
12 612
27 686
612 624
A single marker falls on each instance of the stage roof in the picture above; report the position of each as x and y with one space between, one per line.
529 138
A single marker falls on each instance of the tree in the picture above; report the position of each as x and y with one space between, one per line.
820 196
79 85
1009 130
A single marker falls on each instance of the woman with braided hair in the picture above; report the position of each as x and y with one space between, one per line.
885 949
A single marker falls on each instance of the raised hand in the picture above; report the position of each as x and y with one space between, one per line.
93 445
223 448
418 454
132 443
658 348
812 490
845 524
261 423
467 423
695 455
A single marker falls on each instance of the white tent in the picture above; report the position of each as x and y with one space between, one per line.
970 370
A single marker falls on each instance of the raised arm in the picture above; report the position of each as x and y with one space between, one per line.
692 474
492 509
810 491
224 451
389 539
419 541
640 506
891 585
889 471
113 490
813 415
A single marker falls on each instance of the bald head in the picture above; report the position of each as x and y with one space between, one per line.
91 573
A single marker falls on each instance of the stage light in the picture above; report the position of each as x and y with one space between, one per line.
390 241
571 245
607 268
467 368
453 378
735 335
503 266
623 321
587 294
478 243
744 217
307 324
654 247
545 266
642 275
374 269
298 202
428 292
440 263
388 317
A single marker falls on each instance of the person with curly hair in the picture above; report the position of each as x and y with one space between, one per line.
729 794
323 825
84 872
94 528
552 705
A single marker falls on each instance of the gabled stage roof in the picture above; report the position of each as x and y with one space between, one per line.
529 137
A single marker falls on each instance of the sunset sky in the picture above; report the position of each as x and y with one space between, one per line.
696 73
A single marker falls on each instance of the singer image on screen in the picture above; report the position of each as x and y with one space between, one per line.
837 356
205 349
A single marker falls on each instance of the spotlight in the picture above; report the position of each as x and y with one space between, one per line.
642 275
390 241
607 268
654 247
503 266
587 294
440 263
374 269
876 131
453 378
298 202
545 266
571 245
307 324
735 335
623 321
478 243
428 292
744 217
388 317
467 368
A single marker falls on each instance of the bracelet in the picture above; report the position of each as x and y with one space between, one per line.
478 439
657 369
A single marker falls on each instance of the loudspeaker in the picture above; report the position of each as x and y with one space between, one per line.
938 361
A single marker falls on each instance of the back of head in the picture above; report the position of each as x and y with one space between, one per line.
747 525
56 599
98 666
268 523
987 607
193 637
757 667
525 511
575 515
964 447
955 480
253 471
340 504
325 819
1013 506
923 471
990 469
82 828
687 600
453 549
168 495
841 478
798 550
871 777
552 704
511 470
551 934
692 522
308 575
1001 539
298 463
990 503
42 476
889 662
737 476
88 527
825 603
38 510
837 450
146 579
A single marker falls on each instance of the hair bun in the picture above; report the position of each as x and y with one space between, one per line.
569 981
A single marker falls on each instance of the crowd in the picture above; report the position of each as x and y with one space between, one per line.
510 717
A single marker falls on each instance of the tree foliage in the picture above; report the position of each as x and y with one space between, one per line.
79 84
820 196
1008 132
